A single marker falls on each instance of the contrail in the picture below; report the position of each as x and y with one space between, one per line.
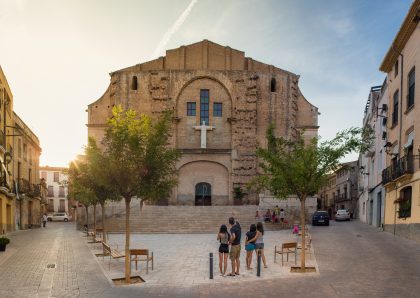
171 31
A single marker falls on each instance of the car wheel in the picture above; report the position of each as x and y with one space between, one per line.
66 220
49 219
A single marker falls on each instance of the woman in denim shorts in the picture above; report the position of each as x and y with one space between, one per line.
250 245
259 242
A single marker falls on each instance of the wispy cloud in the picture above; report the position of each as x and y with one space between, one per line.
171 31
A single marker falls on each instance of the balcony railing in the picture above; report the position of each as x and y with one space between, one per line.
35 191
24 187
400 167
341 197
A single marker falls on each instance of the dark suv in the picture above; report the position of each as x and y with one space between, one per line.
321 218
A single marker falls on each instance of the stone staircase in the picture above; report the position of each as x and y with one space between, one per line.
178 219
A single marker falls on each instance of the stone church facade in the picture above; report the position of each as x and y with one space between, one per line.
223 103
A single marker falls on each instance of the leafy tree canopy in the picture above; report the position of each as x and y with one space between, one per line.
140 162
301 168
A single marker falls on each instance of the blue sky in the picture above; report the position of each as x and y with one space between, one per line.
57 54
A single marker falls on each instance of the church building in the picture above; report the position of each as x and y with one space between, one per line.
223 103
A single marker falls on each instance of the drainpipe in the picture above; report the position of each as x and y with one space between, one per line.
400 119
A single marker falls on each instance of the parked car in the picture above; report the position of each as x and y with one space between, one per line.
58 216
342 214
321 218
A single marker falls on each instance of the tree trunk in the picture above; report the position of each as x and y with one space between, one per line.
103 222
94 219
302 224
127 241
87 220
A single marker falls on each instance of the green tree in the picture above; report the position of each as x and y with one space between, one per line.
96 179
296 167
77 187
141 165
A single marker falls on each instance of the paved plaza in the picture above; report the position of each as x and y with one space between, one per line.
184 259
354 260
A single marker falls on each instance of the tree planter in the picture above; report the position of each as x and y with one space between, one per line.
298 269
2 247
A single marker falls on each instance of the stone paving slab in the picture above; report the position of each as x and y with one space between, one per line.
183 259
354 260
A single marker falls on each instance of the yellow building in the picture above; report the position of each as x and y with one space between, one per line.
21 198
401 178
7 201
30 203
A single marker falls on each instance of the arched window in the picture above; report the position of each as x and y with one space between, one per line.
404 202
134 83
273 85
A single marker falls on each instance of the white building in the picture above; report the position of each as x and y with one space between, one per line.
371 194
57 191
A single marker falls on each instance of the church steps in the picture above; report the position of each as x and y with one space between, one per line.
178 219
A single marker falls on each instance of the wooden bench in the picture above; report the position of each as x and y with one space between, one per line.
138 255
286 248
307 246
112 253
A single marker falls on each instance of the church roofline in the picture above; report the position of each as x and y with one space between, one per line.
162 60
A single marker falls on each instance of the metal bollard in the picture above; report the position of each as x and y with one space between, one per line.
211 265
259 264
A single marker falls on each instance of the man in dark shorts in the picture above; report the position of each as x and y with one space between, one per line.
235 250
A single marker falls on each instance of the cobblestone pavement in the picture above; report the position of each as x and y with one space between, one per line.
355 260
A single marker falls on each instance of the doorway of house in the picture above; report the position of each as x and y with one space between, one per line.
29 214
203 194
370 212
379 209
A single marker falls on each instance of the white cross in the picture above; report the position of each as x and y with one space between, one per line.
204 128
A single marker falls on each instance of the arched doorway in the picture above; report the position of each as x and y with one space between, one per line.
203 194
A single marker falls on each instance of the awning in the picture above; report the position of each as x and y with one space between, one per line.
410 140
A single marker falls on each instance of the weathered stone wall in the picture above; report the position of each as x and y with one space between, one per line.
410 231
253 95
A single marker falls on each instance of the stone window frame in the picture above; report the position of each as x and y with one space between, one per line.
50 191
217 109
56 177
273 87
405 202
395 107
411 82
205 106
134 83
191 108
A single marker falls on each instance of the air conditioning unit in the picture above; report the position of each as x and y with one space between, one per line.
384 121
384 135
